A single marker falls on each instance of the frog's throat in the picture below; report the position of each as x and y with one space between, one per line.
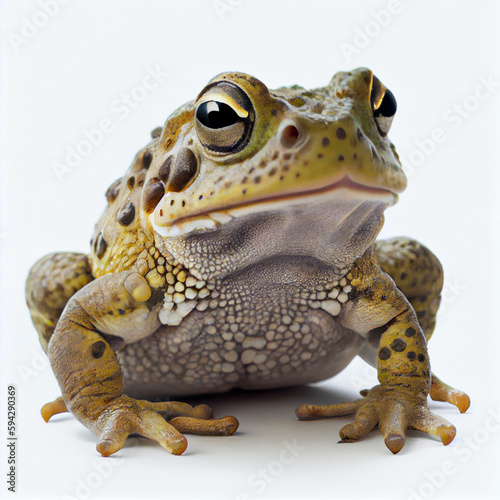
344 189
334 231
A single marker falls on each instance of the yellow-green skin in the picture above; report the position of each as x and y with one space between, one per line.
245 256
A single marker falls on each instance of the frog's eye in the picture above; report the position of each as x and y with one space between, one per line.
224 118
383 105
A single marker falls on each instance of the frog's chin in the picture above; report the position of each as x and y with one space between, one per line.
342 192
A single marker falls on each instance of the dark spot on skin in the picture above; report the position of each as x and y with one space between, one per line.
101 246
421 358
341 133
126 214
183 203
282 177
97 349
156 132
251 170
262 164
325 141
172 202
285 168
403 276
341 158
257 179
287 156
374 153
153 193
359 134
200 197
354 156
384 354
147 158
275 156
185 170
297 102
411 356
244 191
274 112
121 312
410 332
272 171
297 174
383 297
113 191
399 345
320 156
131 182
164 170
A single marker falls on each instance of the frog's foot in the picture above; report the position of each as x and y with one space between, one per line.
394 411
443 392
161 422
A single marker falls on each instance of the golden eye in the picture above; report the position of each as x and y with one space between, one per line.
224 118
383 105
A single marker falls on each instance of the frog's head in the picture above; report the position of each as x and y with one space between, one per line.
317 160
240 148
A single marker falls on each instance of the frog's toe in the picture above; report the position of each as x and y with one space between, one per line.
425 421
50 409
443 392
208 427
366 420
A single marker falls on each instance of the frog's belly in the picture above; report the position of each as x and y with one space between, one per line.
215 351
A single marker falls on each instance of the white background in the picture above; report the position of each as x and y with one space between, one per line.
67 77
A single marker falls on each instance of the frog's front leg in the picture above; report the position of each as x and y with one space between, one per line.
418 273
89 374
400 401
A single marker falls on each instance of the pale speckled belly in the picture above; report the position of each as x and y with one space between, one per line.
252 337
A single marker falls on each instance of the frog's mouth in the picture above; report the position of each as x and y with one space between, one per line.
345 189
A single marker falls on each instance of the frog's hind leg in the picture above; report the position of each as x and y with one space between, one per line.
51 282
418 273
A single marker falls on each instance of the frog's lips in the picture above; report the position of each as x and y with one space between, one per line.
343 189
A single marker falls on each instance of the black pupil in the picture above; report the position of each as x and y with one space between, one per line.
388 106
215 114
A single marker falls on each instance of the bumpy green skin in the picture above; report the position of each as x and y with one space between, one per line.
252 267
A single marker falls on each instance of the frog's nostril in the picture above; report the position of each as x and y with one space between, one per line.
290 136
